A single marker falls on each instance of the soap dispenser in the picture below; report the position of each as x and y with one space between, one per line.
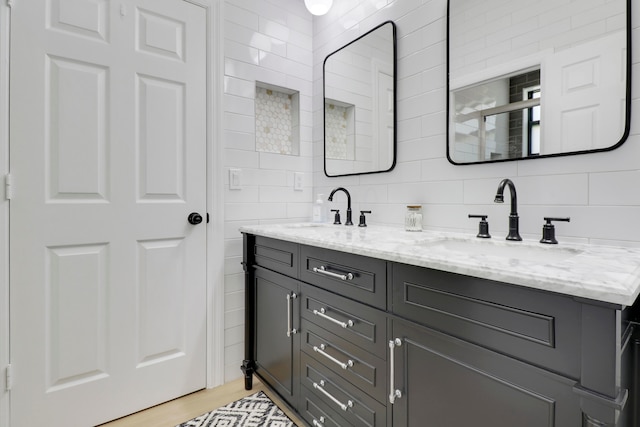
319 210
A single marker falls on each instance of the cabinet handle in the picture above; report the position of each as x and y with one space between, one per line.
343 365
318 423
290 298
323 270
321 313
343 406
393 392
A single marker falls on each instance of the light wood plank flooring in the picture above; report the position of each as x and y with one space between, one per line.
187 407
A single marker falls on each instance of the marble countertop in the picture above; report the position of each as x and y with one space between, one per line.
603 273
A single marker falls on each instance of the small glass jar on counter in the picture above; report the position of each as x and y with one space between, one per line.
413 218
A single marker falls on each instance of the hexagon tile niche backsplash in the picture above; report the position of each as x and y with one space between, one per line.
276 121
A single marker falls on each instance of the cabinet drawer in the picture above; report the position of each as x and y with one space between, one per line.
277 255
316 413
534 326
357 323
361 368
332 392
364 279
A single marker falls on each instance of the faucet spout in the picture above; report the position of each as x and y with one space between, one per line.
348 221
514 233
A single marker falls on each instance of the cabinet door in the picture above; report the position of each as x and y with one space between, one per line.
447 382
277 343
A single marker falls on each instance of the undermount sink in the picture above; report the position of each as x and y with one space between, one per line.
479 248
305 225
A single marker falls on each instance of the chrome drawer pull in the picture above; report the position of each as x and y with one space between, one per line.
319 423
323 270
321 349
321 313
290 298
393 393
342 406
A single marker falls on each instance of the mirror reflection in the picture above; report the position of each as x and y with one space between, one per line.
359 96
535 79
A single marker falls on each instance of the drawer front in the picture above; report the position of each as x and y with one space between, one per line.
537 327
318 414
333 392
362 369
277 255
361 278
357 323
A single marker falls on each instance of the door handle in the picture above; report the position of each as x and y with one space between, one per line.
194 218
394 393
320 388
290 329
323 270
321 350
321 313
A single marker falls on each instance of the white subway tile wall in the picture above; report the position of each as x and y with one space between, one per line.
274 41
267 44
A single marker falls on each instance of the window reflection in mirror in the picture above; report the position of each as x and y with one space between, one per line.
359 96
535 79
499 119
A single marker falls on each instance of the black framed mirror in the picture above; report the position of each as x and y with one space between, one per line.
537 79
360 104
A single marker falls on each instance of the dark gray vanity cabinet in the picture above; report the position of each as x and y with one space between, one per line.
272 316
467 348
349 340
277 342
445 381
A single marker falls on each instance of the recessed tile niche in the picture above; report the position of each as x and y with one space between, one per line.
277 120
339 124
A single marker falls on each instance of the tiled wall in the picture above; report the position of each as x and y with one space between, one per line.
494 32
600 192
266 41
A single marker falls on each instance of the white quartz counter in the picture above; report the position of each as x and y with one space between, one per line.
608 274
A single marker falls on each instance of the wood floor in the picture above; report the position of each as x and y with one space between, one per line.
180 410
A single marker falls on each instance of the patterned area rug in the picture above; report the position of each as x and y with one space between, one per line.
253 411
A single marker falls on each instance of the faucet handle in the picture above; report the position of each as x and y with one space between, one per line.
336 218
483 226
549 230
363 219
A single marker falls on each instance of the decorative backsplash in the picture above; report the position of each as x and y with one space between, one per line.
277 121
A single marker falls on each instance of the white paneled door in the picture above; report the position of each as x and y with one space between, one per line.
583 96
108 160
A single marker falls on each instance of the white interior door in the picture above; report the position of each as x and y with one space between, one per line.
108 159
583 96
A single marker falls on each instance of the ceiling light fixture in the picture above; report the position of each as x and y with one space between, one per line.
318 7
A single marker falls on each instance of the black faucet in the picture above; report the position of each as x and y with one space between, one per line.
513 216
348 221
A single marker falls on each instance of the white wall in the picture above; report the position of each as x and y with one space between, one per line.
269 41
600 192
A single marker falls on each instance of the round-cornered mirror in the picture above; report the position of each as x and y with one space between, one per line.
537 79
359 104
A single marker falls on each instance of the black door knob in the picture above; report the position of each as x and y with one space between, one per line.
194 218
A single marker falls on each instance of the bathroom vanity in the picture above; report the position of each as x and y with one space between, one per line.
381 327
